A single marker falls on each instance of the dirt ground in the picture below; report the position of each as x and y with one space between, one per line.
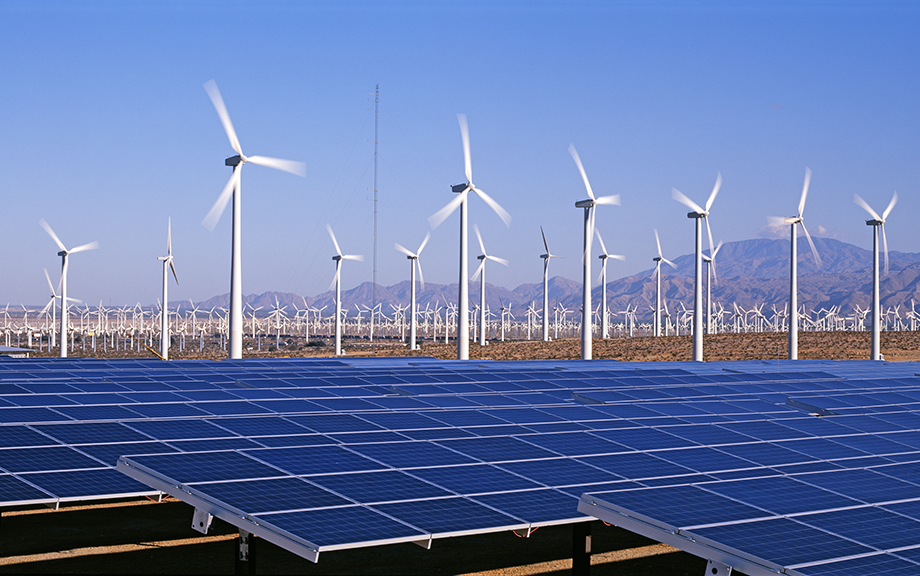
141 536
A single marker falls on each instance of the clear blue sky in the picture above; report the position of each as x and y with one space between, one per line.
106 131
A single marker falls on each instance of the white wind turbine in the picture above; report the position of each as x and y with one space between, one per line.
698 214
413 311
233 188
482 283
546 258
336 281
605 327
710 261
876 222
588 205
463 321
164 317
793 266
656 329
64 253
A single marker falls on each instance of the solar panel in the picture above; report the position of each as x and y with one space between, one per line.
419 449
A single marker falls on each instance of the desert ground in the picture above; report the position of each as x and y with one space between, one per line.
143 536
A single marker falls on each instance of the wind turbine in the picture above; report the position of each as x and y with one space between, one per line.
482 285
794 266
338 288
710 276
463 321
64 253
413 263
588 206
603 278
656 329
876 222
164 317
546 258
698 214
233 188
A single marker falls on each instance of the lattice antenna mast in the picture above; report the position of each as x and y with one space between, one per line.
374 286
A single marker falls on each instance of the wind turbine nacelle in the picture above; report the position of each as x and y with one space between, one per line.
458 188
233 161
695 215
874 222
584 203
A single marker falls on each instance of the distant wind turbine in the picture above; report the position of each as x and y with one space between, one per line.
336 281
481 273
794 266
233 189
698 214
546 258
164 317
413 310
876 222
656 330
588 205
463 320
710 261
64 253
605 328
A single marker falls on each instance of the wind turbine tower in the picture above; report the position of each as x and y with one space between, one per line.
164 316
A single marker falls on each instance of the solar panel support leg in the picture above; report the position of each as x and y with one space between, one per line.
714 568
201 521
581 549
246 553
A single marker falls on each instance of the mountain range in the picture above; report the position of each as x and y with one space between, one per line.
750 272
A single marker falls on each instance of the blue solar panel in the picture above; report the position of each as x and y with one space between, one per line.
332 526
208 467
274 494
447 515
384 486
315 459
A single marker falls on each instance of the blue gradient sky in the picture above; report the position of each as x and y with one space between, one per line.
106 131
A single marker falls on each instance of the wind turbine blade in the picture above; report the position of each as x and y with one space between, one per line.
465 135
545 245
601 240
709 233
581 169
716 251
506 218
894 200
682 198
814 250
358 257
169 237
804 191
424 242
613 199
619 257
84 247
441 215
478 270
51 233
210 220
862 204
292 166
658 242
715 190
334 243
421 278
404 250
50 285
335 277
173 268
885 245
211 88
501 261
479 237
777 220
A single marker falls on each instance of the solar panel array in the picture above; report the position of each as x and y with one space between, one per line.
324 454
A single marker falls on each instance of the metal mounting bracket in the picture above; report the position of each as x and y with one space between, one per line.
201 521
714 568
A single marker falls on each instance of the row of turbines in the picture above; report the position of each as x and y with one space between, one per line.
235 320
